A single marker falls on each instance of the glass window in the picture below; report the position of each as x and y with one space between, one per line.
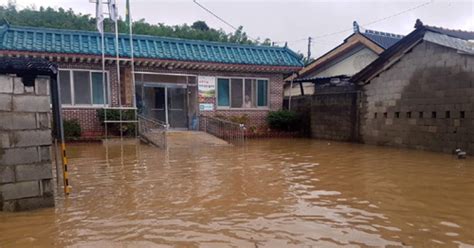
85 88
159 97
65 87
250 98
82 87
242 93
262 90
223 92
236 90
177 98
99 89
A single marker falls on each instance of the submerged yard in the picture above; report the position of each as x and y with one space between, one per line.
267 193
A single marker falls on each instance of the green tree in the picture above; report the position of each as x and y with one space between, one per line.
200 25
68 19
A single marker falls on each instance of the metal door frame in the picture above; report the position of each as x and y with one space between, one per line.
166 86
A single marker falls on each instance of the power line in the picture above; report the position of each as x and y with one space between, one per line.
366 24
215 15
220 18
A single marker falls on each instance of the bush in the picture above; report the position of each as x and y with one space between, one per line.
241 119
72 129
283 120
114 115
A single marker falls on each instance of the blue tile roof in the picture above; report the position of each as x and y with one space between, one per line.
385 40
48 40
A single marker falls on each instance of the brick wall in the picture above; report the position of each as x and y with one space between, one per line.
25 145
257 117
424 101
92 127
87 118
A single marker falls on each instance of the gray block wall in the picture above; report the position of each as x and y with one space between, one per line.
25 145
424 101
334 114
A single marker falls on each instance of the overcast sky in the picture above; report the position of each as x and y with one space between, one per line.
293 20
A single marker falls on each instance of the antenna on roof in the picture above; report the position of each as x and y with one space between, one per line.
355 26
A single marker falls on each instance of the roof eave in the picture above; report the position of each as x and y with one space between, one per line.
303 72
364 76
153 62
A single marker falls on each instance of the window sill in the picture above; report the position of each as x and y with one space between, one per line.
84 106
244 109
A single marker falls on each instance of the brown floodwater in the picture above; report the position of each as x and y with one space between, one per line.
268 193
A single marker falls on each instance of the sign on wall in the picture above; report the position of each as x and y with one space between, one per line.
206 106
207 92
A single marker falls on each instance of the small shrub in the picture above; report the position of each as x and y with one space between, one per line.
283 120
72 129
114 115
241 119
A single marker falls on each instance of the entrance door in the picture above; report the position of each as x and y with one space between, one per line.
166 103
154 103
177 114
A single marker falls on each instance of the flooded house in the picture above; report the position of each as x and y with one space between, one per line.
176 80
322 91
419 93
356 51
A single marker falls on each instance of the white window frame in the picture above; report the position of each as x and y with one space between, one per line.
92 105
267 107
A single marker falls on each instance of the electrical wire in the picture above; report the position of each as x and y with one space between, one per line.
366 24
220 18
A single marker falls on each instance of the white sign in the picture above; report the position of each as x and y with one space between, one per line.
206 107
206 87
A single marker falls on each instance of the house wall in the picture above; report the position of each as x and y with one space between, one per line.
431 80
257 117
26 180
334 114
87 115
91 126
349 64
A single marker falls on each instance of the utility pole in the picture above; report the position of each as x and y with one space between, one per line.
309 48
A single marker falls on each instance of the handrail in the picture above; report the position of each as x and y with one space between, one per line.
158 122
152 131
227 130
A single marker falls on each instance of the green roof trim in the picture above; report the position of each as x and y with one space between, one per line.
34 39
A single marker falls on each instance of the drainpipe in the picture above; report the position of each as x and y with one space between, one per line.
295 74
291 90
59 129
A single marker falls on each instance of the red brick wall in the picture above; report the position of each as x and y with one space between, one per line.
87 118
257 116
91 126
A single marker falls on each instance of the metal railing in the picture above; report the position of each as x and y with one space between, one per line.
152 131
229 131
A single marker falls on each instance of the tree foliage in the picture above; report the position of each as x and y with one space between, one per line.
68 19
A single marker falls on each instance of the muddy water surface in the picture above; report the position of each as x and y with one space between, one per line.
270 193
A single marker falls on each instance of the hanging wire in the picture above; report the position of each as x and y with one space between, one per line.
365 24
221 19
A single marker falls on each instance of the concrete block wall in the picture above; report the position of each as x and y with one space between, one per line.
424 101
334 115
25 145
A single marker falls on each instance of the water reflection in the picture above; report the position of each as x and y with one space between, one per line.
270 193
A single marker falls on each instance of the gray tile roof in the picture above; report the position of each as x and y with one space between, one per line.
385 40
461 45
